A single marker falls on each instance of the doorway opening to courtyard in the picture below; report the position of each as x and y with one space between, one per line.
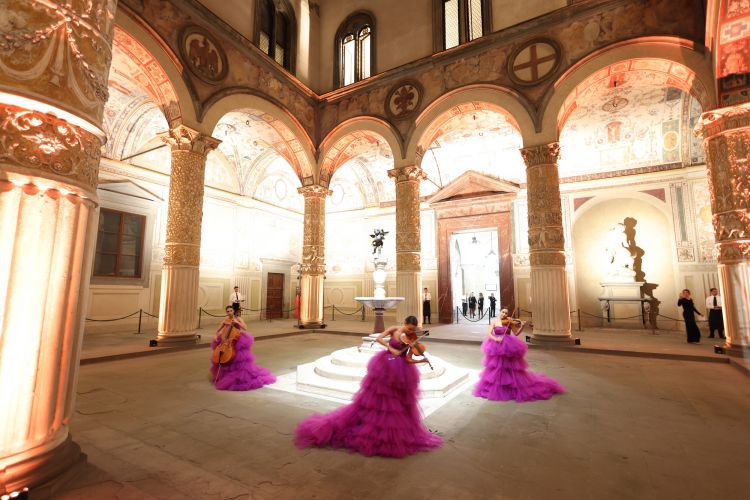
475 272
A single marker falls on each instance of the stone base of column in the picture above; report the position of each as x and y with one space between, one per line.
551 309
734 283
46 474
409 286
311 301
178 310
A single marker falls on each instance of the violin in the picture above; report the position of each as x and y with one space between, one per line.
225 351
417 348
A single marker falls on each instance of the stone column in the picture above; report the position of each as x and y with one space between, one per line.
408 242
313 269
178 309
55 59
549 281
726 139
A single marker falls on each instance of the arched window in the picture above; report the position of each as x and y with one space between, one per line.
353 50
274 30
460 21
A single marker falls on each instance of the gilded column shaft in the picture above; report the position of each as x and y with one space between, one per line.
313 255
726 134
178 316
55 59
408 240
549 287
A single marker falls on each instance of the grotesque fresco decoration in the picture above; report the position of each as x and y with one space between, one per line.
203 55
629 116
733 48
704 222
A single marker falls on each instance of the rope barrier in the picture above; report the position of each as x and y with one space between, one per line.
334 308
484 313
114 319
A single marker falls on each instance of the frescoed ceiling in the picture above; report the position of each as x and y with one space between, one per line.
629 116
359 162
474 136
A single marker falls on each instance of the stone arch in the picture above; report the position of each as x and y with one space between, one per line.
500 99
685 68
345 141
297 146
172 93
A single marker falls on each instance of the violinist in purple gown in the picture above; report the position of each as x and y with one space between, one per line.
506 375
384 418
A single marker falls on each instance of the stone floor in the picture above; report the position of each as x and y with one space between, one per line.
641 428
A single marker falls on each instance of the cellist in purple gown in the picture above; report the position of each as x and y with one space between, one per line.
384 418
506 375
241 373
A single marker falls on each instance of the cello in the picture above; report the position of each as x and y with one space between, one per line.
225 352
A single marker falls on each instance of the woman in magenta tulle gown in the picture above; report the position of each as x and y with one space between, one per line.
384 418
240 374
506 376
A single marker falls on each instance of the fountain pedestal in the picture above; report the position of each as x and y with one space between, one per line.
379 302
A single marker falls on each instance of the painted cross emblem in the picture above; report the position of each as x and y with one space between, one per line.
534 62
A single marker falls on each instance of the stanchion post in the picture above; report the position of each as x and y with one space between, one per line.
140 317
200 310
333 312
578 312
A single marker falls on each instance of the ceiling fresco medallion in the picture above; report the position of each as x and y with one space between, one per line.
203 55
533 61
404 99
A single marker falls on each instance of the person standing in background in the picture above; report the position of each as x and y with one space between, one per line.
472 305
237 300
714 305
492 300
464 305
688 314
480 303
426 298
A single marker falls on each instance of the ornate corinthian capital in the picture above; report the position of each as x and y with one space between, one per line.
182 138
406 174
545 154
314 191
723 120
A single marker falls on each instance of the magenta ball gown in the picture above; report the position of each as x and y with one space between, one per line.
241 374
384 417
506 376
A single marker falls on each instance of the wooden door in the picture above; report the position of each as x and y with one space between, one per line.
274 295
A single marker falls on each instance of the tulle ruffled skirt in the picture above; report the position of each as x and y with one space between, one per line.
506 376
242 374
383 419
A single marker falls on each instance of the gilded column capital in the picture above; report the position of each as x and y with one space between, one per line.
59 52
41 144
721 120
544 154
315 191
182 138
406 174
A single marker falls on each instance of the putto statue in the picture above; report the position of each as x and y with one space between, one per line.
619 256
377 240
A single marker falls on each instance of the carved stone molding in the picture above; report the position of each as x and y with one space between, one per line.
182 138
722 120
60 52
726 135
544 207
545 154
313 243
182 254
45 144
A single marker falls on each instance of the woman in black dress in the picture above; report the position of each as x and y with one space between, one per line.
688 314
